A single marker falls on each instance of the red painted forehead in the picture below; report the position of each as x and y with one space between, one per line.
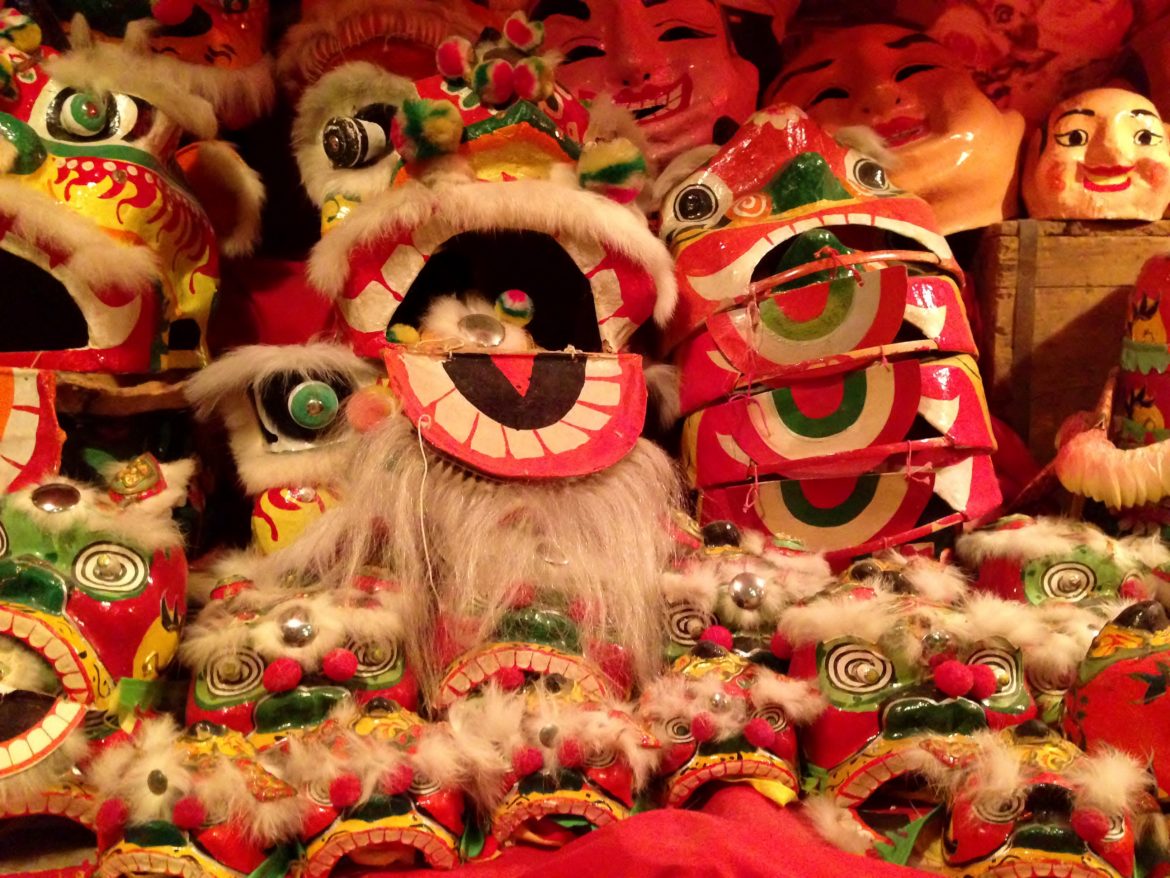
30 80
767 142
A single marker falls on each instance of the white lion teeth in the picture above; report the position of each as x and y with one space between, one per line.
523 444
586 418
560 438
600 393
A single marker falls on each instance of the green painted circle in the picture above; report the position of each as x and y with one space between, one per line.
313 404
84 114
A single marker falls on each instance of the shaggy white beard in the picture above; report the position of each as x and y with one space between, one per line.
463 544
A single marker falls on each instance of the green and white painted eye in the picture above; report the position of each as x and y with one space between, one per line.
687 623
774 716
855 669
1003 664
1068 581
678 730
74 116
3 541
374 659
83 114
313 405
110 569
234 674
1000 809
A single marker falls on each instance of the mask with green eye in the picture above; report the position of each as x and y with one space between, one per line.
1022 800
1050 559
907 683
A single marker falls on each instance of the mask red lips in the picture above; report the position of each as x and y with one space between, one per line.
523 415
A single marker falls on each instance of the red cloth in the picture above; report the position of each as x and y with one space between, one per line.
266 301
739 834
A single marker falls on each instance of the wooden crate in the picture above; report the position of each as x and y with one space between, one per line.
1053 296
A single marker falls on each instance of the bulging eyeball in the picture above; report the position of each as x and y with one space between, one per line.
358 140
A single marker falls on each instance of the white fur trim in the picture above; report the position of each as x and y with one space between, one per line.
146 525
130 68
225 386
1110 780
1042 538
838 825
445 209
245 189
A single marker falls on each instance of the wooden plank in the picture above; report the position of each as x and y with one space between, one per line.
1053 324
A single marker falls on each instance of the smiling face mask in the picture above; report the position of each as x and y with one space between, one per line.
947 142
1102 155
670 63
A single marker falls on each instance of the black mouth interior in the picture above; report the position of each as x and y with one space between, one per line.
907 793
855 237
489 263
555 387
647 111
21 711
37 842
39 314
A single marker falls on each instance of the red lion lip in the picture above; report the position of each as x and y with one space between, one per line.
901 130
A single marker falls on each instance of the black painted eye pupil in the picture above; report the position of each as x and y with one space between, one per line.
870 174
696 203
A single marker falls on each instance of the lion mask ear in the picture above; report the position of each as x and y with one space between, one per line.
231 193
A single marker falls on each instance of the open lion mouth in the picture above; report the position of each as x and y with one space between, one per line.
39 312
55 840
148 864
552 820
472 671
403 847
736 768
34 724
564 314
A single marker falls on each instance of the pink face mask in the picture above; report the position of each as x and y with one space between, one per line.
1102 155
671 63
946 141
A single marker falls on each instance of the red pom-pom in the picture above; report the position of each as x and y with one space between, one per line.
111 819
570 754
339 664
345 791
509 678
493 82
759 733
1134 589
523 595
522 33
1090 824
953 678
397 780
172 12
369 407
578 610
780 646
453 58
983 682
720 635
188 813
703 727
282 675
527 760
